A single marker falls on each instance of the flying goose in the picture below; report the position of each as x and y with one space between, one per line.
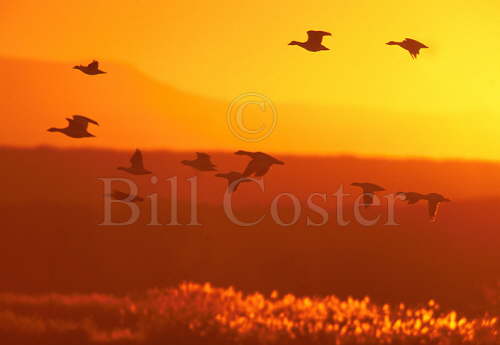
369 190
260 163
233 179
91 69
409 44
433 200
136 165
77 127
202 162
313 43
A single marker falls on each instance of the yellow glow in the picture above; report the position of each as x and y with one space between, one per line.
220 50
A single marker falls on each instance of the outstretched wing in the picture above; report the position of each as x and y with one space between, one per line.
76 125
413 47
413 198
94 64
204 159
433 209
253 167
265 157
80 123
262 169
316 37
415 43
259 165
372 188
81 118
136 160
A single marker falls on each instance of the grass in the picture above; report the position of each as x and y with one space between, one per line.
193 314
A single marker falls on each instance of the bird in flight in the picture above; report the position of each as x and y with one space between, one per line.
409 44
260 163
201 163
233 179
77 127
91 69
136 165
369 190
433 200
119 195
314 41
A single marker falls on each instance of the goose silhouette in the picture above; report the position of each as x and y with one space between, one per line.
314 41
136 165
233 179
433 201
411 45
77 127
260 163
369 190
201 163
91 69
119 195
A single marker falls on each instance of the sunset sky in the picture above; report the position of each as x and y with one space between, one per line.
219 50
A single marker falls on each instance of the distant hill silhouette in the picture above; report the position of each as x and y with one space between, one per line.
129 105
136 110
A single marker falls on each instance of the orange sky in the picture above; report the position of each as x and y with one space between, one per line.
221 51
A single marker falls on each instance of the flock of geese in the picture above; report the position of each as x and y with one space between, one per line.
260 162
258 166
433 199
314 43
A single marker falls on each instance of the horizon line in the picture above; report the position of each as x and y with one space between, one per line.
339 154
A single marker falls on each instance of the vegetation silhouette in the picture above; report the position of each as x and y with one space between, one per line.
193 313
